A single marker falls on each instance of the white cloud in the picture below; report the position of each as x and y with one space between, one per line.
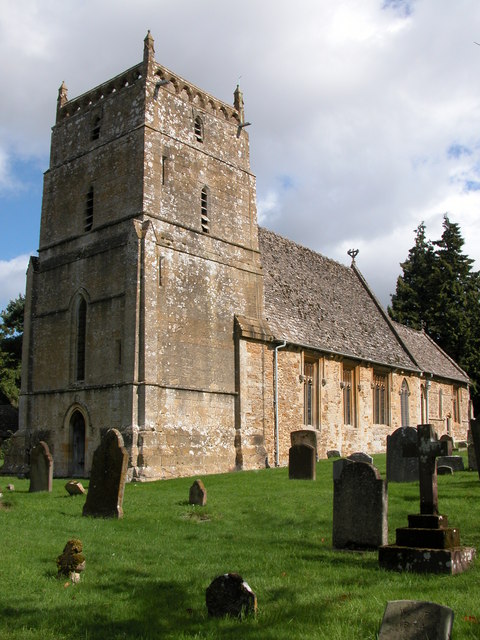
12 278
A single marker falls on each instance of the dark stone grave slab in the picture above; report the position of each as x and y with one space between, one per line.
301 462
198 494
416 620
230 595
401 468
41 468
107 478
427 545
455 462
360 505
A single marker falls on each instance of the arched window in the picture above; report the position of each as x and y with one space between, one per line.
81 332
404 408
77 439
423 400
204 210
88 210
198 129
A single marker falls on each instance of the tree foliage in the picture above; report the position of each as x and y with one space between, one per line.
439 292
11 336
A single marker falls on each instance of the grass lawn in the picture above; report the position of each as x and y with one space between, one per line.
146 574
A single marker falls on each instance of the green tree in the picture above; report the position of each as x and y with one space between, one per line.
11 336
410 302
439 292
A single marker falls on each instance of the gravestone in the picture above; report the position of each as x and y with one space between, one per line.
401 468
475 433
444 470
416 620
230 595
455 462
41 468
427 545
360 504
447 438
75 488
198 494
333 453
107 478
304 436
301 462
72 561
359 456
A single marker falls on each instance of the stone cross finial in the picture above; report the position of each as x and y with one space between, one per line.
148 48
427 449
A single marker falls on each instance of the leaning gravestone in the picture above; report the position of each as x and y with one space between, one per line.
198 494
75 488
41 468
416 620
301 462
401 468
107 478
230 595
360 504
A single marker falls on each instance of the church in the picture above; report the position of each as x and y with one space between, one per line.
158 306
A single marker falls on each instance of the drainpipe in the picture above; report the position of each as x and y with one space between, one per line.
275 401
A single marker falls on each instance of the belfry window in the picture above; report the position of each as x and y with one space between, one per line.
380 398
204 211
81 331
198 129
97 123
88 221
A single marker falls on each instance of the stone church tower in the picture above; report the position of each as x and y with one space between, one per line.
148 249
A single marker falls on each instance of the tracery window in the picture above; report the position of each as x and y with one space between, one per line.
380 398
349 405
404 404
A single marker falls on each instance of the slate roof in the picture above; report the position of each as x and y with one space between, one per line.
315 302
429 356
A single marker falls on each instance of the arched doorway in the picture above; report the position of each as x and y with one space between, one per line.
77 435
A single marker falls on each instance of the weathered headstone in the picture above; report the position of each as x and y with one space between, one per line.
475 432
416 620
427 545
401 468
75 488
304 436
107 478
198 494
360 505
455 462
447 438
359 456
333 453
301 462
230 595
72 561
41 468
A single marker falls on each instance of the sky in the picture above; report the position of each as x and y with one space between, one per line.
365 114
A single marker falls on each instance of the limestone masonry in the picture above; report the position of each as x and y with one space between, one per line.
157 307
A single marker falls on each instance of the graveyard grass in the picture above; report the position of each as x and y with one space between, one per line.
146 574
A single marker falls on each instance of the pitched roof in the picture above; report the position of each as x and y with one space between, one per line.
429 356
313 301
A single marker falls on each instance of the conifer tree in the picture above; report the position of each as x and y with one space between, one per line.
11 336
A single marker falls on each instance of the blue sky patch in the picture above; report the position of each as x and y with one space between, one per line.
403 7
457 150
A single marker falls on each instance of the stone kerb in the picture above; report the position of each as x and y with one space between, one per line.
401 468
107 478
360 505
41 468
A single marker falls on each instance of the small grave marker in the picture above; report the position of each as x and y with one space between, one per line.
230 595
41 468
198 494
359 456
107 478
416 620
